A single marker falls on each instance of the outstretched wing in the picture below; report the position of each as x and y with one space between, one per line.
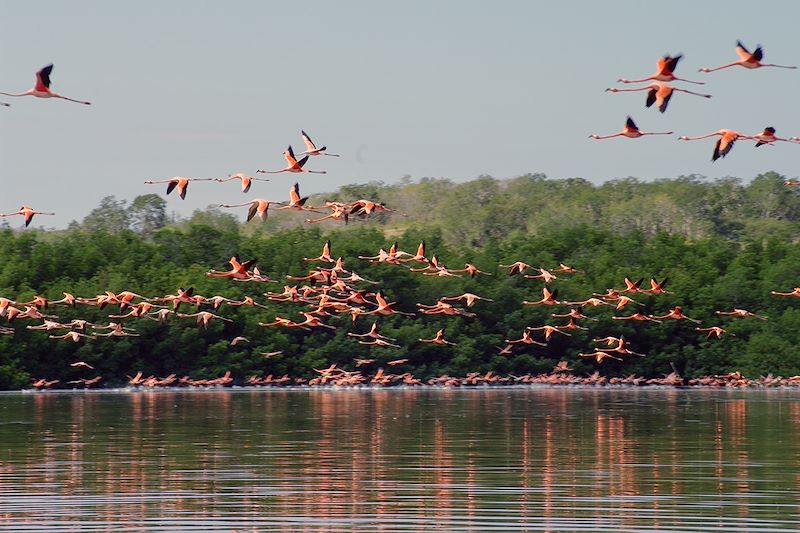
43 78
309 143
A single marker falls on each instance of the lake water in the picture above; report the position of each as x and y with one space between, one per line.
489 459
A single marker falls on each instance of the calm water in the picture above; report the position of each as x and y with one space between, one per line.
401 460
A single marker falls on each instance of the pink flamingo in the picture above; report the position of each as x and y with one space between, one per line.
630 131
258 206
724 144
179 182
293 165
42 87
311 149
747 59
666 66
246 180
26 212
658 93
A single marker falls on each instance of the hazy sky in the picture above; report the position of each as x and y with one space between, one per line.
450 89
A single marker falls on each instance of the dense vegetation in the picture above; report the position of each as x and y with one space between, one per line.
722 243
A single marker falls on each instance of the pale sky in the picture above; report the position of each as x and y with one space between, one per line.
451 89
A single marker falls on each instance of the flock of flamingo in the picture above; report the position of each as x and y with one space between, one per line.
659 92
334 296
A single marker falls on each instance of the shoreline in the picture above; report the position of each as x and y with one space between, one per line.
547 381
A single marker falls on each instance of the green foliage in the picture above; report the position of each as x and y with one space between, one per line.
722 244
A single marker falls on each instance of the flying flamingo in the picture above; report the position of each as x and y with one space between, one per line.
293 165
311 149
238 270
747 59
258 207
599 356
742 313
26 212
768 137
715 331
658 93
180 182
246 180
42 87
630 131
438 339
666 66
472 270
724 144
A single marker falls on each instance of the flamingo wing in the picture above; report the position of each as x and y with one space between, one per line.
43 78
758 54
629 123
717 154
251 212
665 103
743 53
672 62
723 146
294 194
171 186
289 155
651 97
309 143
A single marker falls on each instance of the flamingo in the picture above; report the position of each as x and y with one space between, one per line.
258 206
724 144
325 256
742 313
516 268
658 93
203 317
630 131
548 331
246 180
372 333
472 270
74 336
467 297
548 298
794 292
621 348
768 137
657 287
42 87
26 212
525 339
293 165
296 202
715 331
599 356
180 182
666 66
438 339
238 270
311 149
379 342
747 59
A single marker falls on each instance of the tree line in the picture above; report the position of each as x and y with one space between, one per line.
722 243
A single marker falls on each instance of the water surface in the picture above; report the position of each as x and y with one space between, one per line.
488 459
